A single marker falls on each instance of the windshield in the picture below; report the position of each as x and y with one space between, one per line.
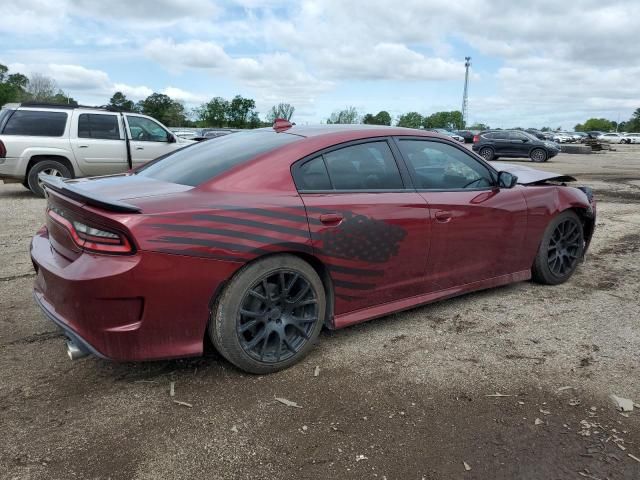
202 162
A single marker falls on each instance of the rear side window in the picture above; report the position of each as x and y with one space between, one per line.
104 127
36 123
312 175
204 161
366 166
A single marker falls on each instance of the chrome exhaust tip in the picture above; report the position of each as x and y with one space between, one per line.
74 352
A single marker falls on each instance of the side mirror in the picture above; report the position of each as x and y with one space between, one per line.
171 138
507 180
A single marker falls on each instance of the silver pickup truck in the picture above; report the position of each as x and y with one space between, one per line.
76 142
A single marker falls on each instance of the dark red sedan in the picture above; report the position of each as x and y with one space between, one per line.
257 240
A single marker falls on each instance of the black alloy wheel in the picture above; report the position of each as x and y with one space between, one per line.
269 315
565 246
561 249
277 316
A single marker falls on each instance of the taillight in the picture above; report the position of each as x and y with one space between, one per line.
476 138
3 150
92 238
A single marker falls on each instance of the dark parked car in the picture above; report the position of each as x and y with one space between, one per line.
466 134
494 144
259 239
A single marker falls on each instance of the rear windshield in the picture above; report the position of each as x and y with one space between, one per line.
36 123
202 162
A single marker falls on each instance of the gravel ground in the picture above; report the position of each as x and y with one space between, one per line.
404 397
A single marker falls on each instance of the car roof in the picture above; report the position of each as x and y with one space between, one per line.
352 130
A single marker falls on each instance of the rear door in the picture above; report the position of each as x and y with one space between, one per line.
149 139
500 141
97 141
477 230
370 230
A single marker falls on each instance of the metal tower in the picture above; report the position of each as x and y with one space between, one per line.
465 98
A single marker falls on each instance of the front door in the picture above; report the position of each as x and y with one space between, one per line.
98 144
371 232
477 229
519 144
148 140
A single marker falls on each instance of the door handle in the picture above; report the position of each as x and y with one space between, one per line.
139 148
443 217
83 146
331 218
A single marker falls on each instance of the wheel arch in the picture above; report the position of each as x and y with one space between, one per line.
42 157
320 268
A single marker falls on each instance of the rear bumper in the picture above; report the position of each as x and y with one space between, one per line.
12 168
85 346
146 306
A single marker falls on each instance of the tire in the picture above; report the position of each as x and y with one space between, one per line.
52 167
486 153
563 235
248 340
538 155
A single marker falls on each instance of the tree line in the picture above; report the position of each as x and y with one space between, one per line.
604 125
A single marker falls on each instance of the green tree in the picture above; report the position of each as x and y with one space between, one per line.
164 109
282 110
119 101
444 120
410 120
241 111
380 118
633 124
599 124
214 113
479 126
63 99
347 116
12 86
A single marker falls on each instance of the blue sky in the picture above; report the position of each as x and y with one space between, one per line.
543 63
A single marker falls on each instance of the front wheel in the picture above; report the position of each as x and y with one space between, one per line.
270 314
486 153
560 250
538 155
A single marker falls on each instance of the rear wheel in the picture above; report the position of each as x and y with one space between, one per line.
48 167
560 250
538 155
486 153
270 314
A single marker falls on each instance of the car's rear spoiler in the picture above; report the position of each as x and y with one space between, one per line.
59 185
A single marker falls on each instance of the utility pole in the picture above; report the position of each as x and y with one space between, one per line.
465 97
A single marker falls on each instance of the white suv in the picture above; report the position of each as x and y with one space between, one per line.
76 142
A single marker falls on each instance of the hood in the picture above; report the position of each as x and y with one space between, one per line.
530 176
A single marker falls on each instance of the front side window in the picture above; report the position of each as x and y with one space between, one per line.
36 123
104 127
146 130
438 166
366 166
